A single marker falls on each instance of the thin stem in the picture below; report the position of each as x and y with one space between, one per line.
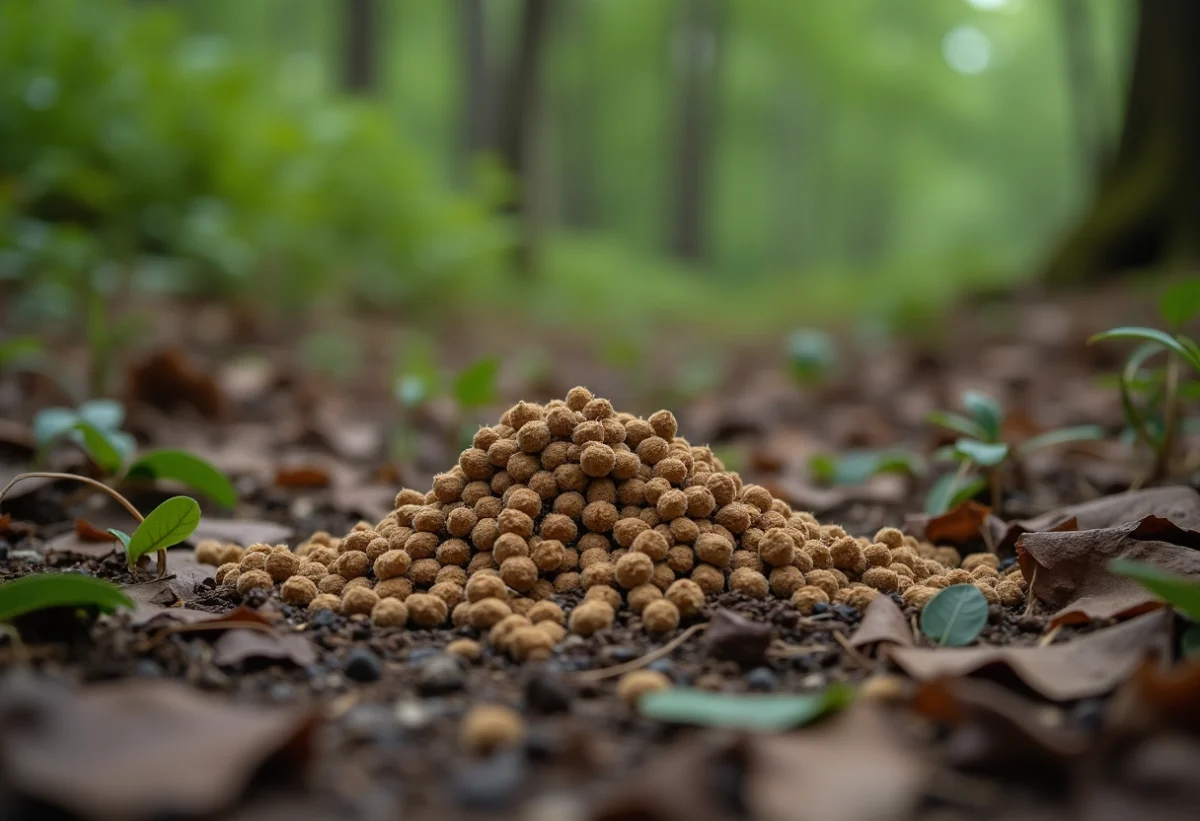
1162 461
125 503
643 661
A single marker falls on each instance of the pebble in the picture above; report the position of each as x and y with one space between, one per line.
1005 564
1089 714
762 678
819 608
412 714
362 665
148 669
617 654
813 681
369 722
491 783
440 674
282 692
422 653
664 666
731 637
547 693
846 613
323 618
569 643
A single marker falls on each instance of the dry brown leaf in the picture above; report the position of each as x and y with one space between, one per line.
853 767
143 748
244 532
1069 569
1087 666
88 532
69 544
882 621
302 477
237 646
958 526
167 379
1157 699
5 523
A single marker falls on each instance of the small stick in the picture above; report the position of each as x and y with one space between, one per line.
1048 639
852 651
638 663
783 650
1031 596
125 503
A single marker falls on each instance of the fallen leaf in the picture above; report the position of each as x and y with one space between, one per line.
69 544
167 380
853 767
955 616
302 477
1087 666
1156 699
180 752
1068 569
85 531
743 711
731 637
237 646
244 532
882 621
960 526
5 522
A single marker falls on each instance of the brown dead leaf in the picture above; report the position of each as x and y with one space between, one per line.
958 526
69 544
1158 699
5 523
302 477
1069 569
168 380
237 646
799 776
244 532
1087 666
180 752
882 621
85 531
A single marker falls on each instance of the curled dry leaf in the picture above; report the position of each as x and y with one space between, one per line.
167 379
882 621
1087 666
70 544
302 477
65 752
237 646
1071 573
85 531
959 526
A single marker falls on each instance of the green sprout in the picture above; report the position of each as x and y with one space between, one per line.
810 356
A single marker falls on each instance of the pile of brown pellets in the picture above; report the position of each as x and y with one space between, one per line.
573 494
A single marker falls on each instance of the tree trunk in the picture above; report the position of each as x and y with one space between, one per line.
695 54
1146 206
359 67
516 124
476 116
1082 88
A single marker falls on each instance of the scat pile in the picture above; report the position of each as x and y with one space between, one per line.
574 495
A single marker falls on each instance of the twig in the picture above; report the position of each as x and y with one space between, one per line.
852 651
1048 639
1030 596
783 650
125 503
638 663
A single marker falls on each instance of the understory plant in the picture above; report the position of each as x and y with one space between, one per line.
1152 398
1181 593
419 379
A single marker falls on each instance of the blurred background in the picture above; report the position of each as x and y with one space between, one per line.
652 197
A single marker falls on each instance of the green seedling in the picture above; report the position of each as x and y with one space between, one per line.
43 591
169 524
810 356
857 466
743 711
95 426
981 448
955 616
1181 593
1151 399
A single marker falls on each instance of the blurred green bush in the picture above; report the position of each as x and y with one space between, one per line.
137 157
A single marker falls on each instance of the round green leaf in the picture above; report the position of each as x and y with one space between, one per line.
51 423
986 412
988 454
950 490
955 616
167 525
102 447
181 466
106 414
45 590
476 384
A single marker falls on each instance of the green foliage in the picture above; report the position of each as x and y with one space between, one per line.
985 412
952 489
43 591
987 454
1181 593
191 470
810 356
101 446
20 352
1178 344
166 526
955 616
762 713
857 466
475 385
1181 303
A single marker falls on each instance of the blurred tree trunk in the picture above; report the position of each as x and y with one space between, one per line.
476 115
516 121
1146 207
695 55
359 52
1080 55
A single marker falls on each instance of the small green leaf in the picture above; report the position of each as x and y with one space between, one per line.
476 384
986 412
1180 345
988 454
950 490
955 616
857 466
765 713
121 535
45 590
51 423
410 390
1181 303
1181 593
810 355
167 525
171 463
956 422
105 414
20 351
1062 436
100 448
1189 642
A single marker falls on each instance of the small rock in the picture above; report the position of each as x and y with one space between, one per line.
762 678
846 613
543 744
282 692
819 608
734 638
362 665
1089 714
713 682
616 654
213 679
570 642
814 681
323 618
369 722
664 666
491 783
422 653
547 693
412 714
27 556
440 674
148 669
1005 564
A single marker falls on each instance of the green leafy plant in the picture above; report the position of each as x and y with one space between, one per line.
95 426
981 449
857 466
169 524
764 713
955 616
1150 399
43 591
811 356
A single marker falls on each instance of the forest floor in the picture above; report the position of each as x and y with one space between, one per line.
132 716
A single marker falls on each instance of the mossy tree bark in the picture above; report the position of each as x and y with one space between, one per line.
1145 212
